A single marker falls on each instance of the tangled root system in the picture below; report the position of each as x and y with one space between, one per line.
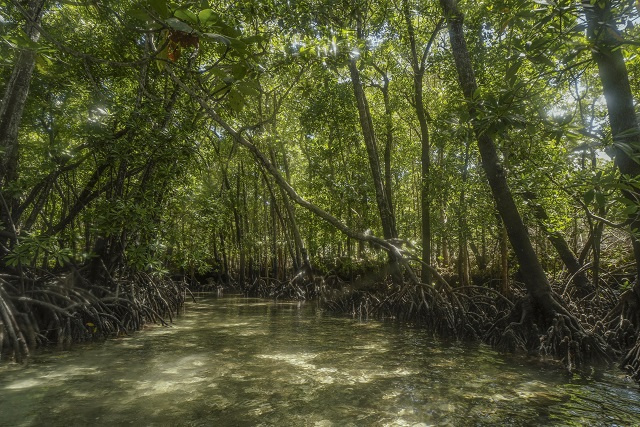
41 310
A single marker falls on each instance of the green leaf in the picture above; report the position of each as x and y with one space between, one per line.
588 196
160 7
186 15
236 100
542 59
177 24
139 13
238 71
631 149
239 46
21 41
248 89
253 39
631 209
512 72
206 15
218 38
223 28
217 90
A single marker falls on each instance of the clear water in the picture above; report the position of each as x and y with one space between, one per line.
247 362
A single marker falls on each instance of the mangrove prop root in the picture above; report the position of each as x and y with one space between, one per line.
49 310
631 362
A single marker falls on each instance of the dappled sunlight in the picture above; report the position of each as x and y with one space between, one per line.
235 366
23 384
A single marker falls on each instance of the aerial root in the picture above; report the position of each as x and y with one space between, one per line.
631 362
49 310
565 339
621 328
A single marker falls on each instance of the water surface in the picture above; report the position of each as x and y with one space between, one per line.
245 362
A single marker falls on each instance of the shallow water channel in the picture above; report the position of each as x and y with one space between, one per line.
236 361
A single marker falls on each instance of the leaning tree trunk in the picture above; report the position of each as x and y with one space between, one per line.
602 30
383 201
534 276
569 259
11 109
541 308
386 215
540 311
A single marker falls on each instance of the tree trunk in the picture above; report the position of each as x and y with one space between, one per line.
297 237
366 124
11 110
418 66
602 30
505 289
534 276
388 146
15 97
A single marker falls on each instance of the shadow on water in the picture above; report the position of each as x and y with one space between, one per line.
237 361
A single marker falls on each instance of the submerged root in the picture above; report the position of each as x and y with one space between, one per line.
565 339
631 362
441 311
622 326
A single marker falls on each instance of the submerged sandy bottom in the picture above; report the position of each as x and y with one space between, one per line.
237 362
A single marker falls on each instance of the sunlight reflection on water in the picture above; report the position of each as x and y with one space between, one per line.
238 361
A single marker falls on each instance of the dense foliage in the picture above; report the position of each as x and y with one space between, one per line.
359 150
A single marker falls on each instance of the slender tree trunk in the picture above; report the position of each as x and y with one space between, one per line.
297 237
366 124
388 147
418 66
225 259
15 97
534 276
239 234
505 289
445 235
568 257
463 252
602 30
11 110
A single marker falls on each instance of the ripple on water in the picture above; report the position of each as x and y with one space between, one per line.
241 361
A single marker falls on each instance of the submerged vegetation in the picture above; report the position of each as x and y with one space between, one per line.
469 166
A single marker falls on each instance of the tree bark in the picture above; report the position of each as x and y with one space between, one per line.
602 30
15 97
388 145
366 124
505 289
534 276
11 110
418 67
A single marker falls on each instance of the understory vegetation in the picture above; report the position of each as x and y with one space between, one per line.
468 166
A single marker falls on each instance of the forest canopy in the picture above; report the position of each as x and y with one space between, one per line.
472 166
